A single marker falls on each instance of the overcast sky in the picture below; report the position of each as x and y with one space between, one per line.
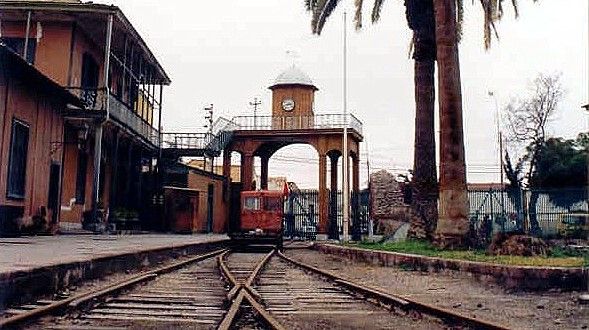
228 52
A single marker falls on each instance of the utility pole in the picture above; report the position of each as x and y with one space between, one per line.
255 104
345 155
209 117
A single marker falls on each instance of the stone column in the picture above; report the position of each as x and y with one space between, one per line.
264 172
356 174
356 234
323 201
333 227
227 163
247 171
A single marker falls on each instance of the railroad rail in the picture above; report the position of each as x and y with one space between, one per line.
227 289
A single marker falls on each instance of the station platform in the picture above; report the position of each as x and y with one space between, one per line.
42 264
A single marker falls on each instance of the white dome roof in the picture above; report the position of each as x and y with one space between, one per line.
293 76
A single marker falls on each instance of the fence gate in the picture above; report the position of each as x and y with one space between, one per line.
301 214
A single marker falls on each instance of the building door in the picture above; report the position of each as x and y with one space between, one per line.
53 195
210 208
235 207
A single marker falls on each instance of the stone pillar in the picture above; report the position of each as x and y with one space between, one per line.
247 171
227 163
323 201
355 200
356 174
333 226
264 172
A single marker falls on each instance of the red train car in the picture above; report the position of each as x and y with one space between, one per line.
261 218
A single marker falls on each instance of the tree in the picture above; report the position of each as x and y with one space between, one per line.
420 18
444 26
528 117
527 120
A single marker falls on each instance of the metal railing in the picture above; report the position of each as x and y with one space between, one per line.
94 99
120 112
323 121
186 141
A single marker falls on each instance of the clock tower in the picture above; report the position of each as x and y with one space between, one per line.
293 94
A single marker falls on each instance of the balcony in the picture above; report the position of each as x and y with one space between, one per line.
94 101
317 122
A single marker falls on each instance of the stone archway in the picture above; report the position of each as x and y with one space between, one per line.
264 144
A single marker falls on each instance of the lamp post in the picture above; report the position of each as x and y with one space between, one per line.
584 298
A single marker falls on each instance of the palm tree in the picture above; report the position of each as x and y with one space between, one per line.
453 225
420 18
436 26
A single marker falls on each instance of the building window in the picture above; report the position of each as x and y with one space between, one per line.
17 163
81 178
17 45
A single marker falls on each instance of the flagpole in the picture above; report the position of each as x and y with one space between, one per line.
345 155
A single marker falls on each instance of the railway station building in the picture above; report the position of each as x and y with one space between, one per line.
100 135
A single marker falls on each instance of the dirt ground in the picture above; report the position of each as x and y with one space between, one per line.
462 293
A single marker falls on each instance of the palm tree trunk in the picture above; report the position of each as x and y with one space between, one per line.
453 227
424 208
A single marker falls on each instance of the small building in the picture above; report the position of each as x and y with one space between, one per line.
195 200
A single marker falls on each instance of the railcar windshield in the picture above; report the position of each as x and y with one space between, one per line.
251 203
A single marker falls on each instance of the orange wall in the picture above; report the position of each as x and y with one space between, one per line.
52 55
201 183
41 112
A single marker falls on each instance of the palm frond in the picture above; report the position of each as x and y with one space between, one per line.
376 10
515 7
323 9
459 19
310 5
358 15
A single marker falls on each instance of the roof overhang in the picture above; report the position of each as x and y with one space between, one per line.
16 66
85 15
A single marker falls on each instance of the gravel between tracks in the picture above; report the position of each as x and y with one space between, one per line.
302 300
462 293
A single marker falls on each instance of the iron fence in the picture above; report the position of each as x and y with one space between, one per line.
539 212
302 214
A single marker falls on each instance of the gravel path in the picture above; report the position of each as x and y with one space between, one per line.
462 293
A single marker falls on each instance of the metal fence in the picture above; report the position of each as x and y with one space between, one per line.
539 212
321 121
302 214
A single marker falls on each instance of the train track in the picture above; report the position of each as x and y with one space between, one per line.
236 290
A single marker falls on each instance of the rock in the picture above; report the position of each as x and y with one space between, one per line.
584 299
456 305
386 193
540 306
479 305
399 235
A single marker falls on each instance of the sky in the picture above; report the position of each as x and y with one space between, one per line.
228 52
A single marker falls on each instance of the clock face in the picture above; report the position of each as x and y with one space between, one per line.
288 104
